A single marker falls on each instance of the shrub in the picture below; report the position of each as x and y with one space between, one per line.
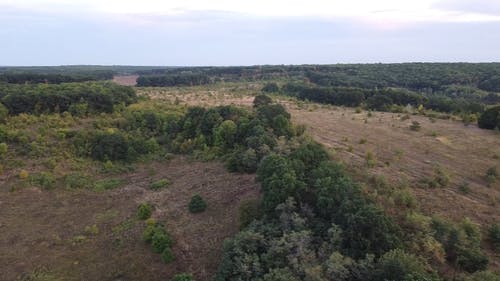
491 175
159 184
472 259
23 174
197 204
494 235
4 112
415 126
3 149
261 100
397 265
483 276
150 231
110 146
271 88
144 211
249 211
77 180
107 184
490 119
44 180
183 277
160 241
167 255
464 187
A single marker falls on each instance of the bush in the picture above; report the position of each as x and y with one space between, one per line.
197 204
3 149
23 174
107 184
110 146
490 119
491 175
44 180
160 241
472 259
77 180
415 126
167 255
144 211
483 276
159 184
4 112
397 265
183 277
494 235
261 100
249 211
150 231
271 88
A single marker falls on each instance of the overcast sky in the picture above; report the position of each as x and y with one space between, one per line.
234 32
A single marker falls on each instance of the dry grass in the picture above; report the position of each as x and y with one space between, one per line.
47 229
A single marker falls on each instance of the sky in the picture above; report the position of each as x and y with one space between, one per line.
236 32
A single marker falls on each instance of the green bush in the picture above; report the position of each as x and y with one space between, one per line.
197 204
3 149
183 277
483 276
249 211
494 235
159 184
490 119
107 184
397 265
77 180
472 259
160 241
261 100
44 180
271 88
4 112
167 255
144 211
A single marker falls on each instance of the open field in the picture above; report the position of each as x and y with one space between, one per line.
45 231
402 156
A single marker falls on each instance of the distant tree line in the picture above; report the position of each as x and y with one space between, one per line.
381 99
53 78
81 98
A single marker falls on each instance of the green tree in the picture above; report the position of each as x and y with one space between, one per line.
197 204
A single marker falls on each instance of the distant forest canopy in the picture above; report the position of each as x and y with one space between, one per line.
459 88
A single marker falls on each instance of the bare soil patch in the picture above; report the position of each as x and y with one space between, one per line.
126 80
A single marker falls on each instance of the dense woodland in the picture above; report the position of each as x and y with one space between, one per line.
313 222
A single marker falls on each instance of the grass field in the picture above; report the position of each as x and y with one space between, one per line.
88 235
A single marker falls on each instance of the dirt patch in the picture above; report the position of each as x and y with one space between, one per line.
126 80
47 229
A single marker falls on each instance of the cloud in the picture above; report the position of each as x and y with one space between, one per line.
485 7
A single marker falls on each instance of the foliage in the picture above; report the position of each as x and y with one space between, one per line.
490 119
197 204
182 277
494 235
40 98
261 100
159 184
271 88
144 211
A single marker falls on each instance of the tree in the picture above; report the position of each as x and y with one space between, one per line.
271 88
261 100
197 204
490 119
